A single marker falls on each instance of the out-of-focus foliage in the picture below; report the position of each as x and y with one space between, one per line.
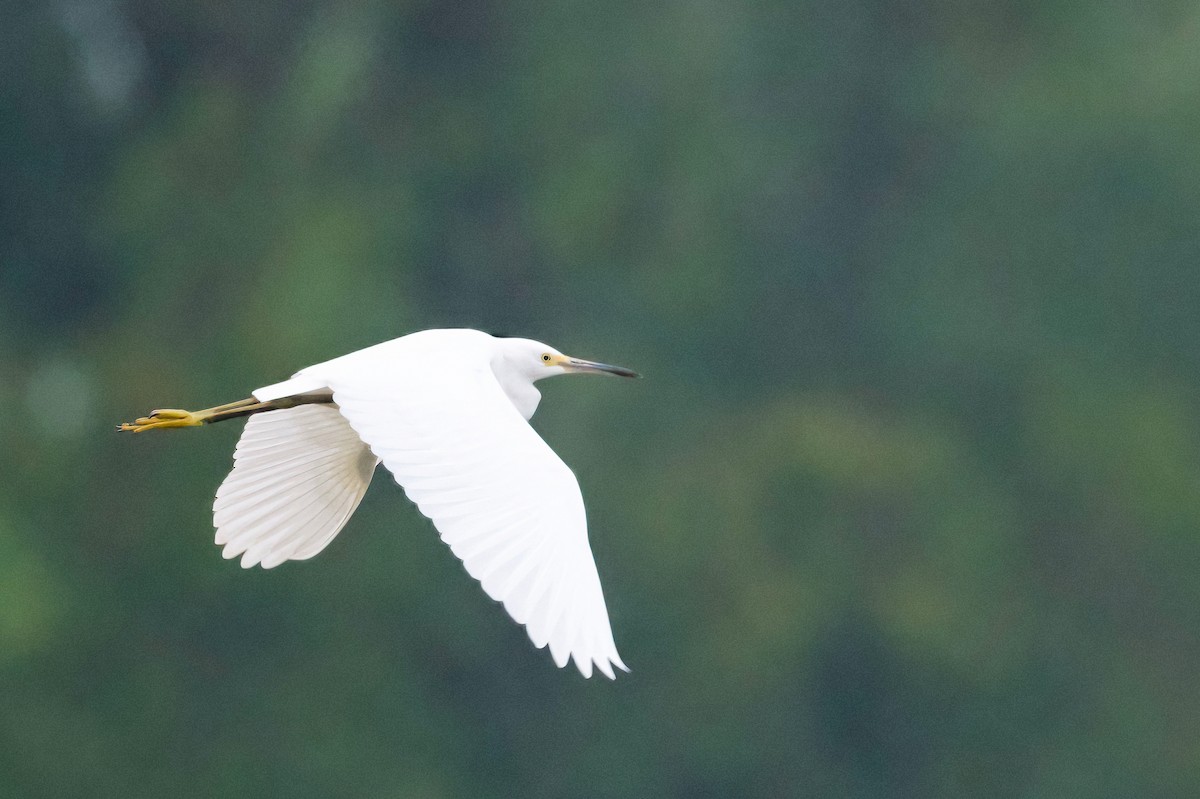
908 503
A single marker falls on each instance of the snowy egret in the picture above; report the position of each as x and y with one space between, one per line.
446 411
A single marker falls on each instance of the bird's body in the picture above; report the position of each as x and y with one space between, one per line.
446 412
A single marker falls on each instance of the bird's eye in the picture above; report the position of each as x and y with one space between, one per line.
546 357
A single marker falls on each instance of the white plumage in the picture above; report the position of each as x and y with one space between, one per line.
298 474
446 412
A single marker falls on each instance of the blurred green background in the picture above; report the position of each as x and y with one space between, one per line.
908 504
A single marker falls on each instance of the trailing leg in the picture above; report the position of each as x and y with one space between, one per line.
170 418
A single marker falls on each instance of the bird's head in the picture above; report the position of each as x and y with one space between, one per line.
536 360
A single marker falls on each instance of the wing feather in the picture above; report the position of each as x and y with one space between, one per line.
503 501
298 475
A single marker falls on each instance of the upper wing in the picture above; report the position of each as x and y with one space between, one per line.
297 476
504 502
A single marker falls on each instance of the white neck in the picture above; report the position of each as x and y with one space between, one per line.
516 381
523 394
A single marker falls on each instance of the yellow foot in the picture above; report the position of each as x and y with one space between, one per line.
163 420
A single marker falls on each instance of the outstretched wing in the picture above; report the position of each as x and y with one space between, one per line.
509 508
298 474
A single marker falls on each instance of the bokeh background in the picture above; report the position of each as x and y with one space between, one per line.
908 504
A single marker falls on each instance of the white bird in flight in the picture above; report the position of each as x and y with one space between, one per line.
446 412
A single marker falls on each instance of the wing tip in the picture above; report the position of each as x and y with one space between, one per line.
592 664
